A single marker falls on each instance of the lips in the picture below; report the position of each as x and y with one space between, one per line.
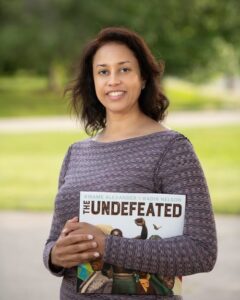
115 93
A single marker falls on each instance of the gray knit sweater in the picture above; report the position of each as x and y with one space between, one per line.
162 162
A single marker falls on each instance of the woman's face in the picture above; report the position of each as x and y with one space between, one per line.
117 78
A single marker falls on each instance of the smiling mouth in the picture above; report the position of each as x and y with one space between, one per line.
115 93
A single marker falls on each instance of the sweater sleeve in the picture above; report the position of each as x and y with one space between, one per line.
178 172
57 223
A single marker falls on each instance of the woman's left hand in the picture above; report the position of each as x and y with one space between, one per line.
98 236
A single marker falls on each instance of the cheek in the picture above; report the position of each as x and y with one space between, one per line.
137 83
98 87
136 87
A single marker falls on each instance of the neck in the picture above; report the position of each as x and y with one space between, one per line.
123 125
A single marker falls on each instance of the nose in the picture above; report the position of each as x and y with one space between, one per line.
113 80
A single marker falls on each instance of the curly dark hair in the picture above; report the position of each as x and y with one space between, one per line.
84 101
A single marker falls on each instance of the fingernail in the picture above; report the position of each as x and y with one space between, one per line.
64 231
90 237
94 244
96 254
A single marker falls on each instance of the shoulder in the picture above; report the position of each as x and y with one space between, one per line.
177 149
170 139
179 153
74 150
178 144
178 140
78 145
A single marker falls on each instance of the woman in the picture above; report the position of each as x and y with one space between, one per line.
118 97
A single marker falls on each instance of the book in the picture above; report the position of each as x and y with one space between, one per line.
130 215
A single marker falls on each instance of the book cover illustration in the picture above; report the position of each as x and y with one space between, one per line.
130 215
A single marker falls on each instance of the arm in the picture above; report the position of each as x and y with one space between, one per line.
64 250
178 172
144 231
57 222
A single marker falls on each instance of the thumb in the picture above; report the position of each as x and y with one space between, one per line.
73 220
66 228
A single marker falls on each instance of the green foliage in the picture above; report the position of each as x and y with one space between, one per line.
188 35
30 163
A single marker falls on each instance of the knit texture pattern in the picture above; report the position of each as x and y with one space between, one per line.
162 162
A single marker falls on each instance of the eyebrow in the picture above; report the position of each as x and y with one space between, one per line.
120 63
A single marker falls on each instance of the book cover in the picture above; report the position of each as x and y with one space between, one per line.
130 215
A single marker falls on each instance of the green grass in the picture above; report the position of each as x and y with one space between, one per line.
23 96
188 96
218 149
30 163
29 167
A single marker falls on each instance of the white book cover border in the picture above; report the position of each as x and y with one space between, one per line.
158 210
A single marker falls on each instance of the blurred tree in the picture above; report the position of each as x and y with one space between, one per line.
43 35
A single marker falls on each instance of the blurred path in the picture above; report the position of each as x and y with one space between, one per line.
64 123
23 276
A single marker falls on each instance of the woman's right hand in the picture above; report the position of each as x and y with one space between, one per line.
72 250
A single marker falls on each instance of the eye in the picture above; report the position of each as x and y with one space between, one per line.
125 70
103 72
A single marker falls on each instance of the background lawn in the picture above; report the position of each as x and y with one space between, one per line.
30 164
29 168
23 96
218 149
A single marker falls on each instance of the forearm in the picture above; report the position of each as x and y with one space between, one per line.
176 256
193 252
57 271
179 172
57 221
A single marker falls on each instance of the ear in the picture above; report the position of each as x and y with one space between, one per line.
143 84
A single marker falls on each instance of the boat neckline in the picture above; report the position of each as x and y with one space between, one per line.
140 137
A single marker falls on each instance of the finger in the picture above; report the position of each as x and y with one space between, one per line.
74 219
67 227
64 252
70 225
82 247
82 257
77 231
74 239
88 256
77 260
72 260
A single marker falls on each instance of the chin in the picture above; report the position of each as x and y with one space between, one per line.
118 111
119 108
